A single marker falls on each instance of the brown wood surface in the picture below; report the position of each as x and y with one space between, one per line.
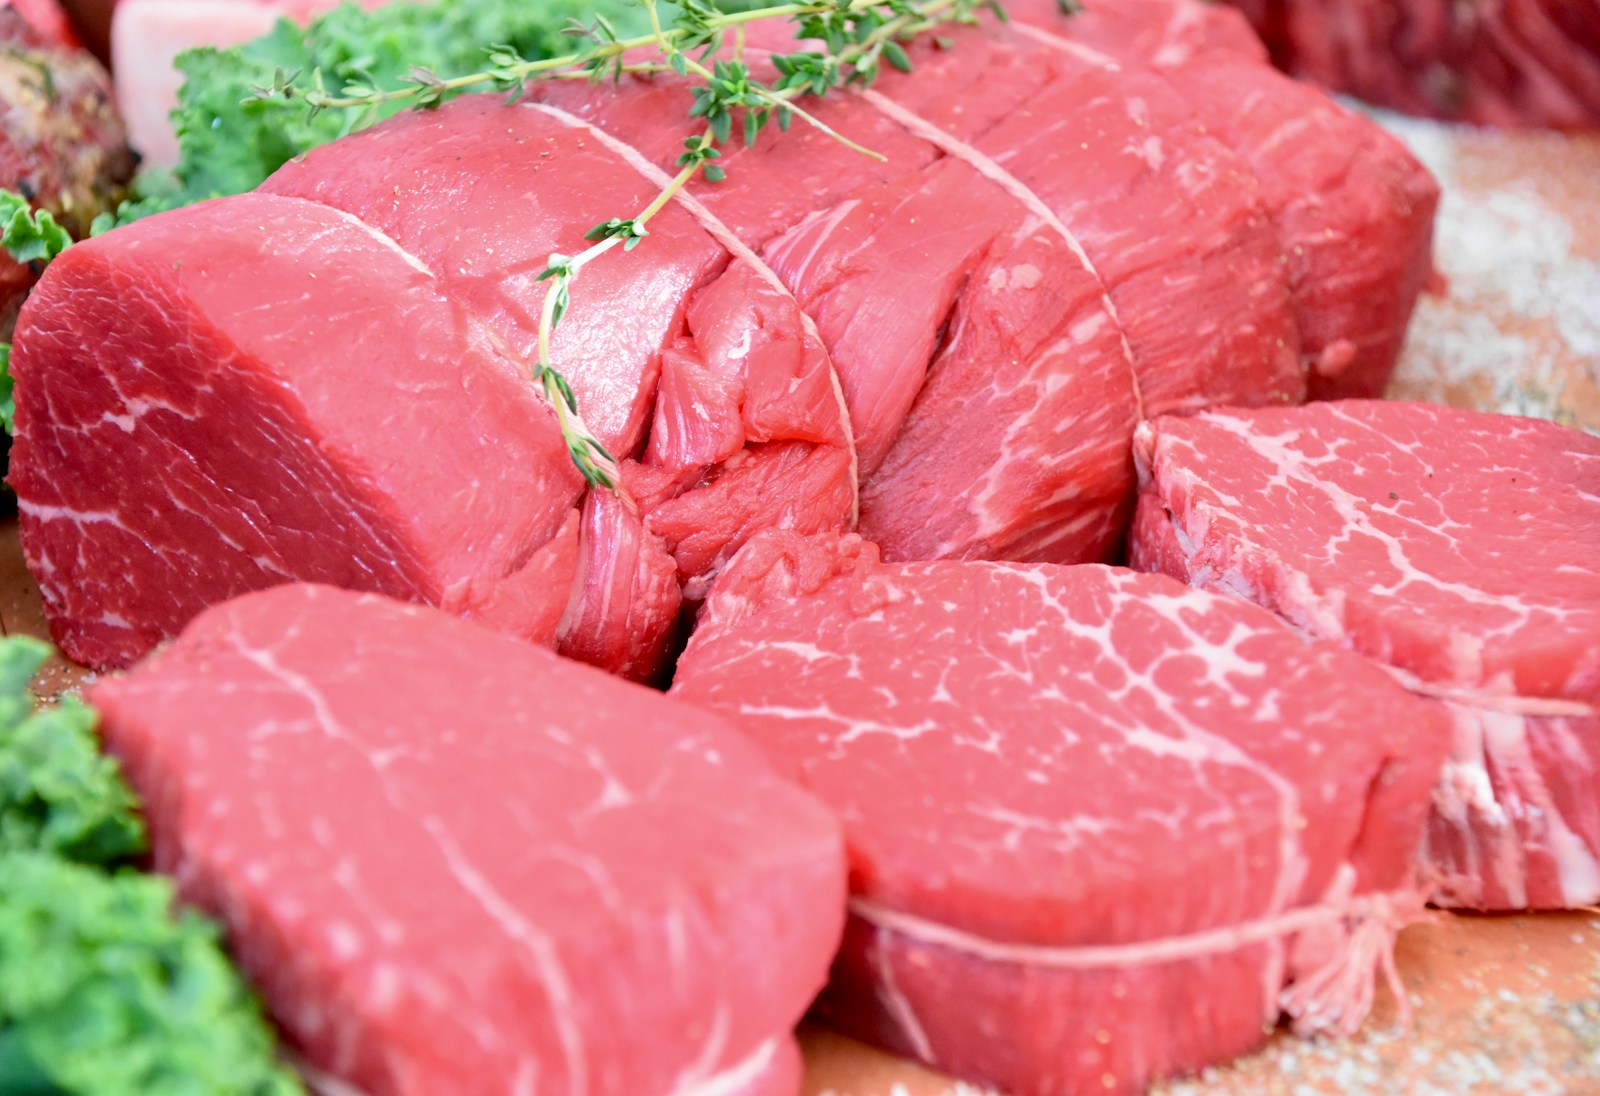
1501 1005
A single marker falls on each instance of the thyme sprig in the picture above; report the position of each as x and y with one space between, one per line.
854 40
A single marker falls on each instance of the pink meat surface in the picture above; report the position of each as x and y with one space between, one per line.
1513 64
1352 208
1102 828
260 389
454 863
1454 547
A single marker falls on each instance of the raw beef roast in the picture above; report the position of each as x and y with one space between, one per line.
454 863
1489 62
1102 828
1455 548
257 390
244 348
952 344
1352 209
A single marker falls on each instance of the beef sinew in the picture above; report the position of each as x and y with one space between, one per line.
1456 548
1102 828
454 863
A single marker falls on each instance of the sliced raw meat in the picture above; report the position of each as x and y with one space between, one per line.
1352 208
1526 63
1454 547
1072 797
260 389
454 863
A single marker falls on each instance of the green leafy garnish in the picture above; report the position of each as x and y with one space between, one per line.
29 237
58 794
234 129
106 990
8 397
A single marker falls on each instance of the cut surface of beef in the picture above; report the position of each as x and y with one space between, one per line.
1352 208
259 389
1101 828
1528 63
1456 548
455 863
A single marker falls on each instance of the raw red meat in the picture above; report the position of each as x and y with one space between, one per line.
1519 63
454 863
260 389
1101 828
1082 250
1352 208
787 462
1454 547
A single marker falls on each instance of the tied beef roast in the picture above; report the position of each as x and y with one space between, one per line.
1102 828
951 346
454 863
1352 211
1459 550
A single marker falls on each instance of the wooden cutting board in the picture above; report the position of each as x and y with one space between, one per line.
1501 1005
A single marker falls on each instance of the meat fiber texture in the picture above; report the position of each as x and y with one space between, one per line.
1102 828
1352 209
1509 64
1455 548
330 380
454 863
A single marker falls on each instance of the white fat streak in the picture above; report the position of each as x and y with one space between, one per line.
736 247
1066 45
1507 703
896 1003
1217 941
552 974
1465 800
738 1077
377 235
986 166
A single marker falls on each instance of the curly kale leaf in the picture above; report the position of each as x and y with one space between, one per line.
29 236
107 990
58 793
